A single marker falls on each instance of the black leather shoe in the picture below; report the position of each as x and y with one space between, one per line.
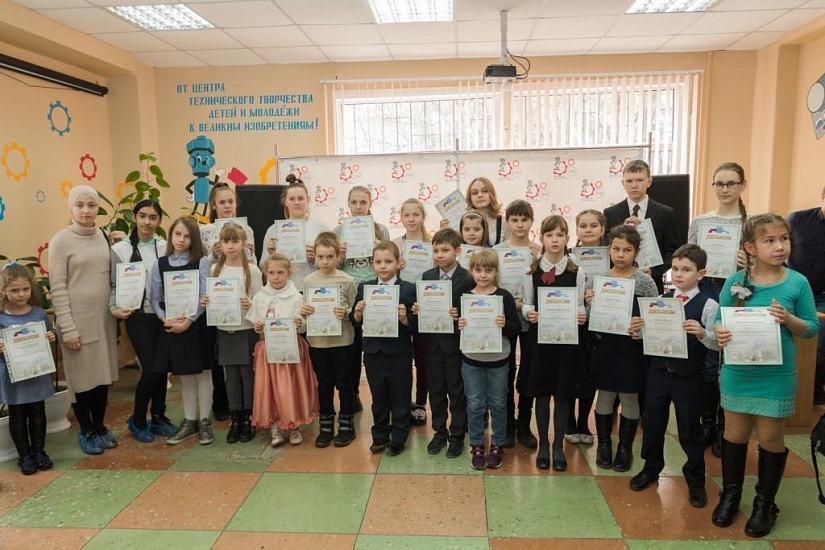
559 460
643 480
455 449
698 497
221 413
378 446
542 462
435 445
396 448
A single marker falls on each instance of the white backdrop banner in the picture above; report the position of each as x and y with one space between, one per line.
555 181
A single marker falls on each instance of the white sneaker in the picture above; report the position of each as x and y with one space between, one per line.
573 438
587 439
277 437
295 437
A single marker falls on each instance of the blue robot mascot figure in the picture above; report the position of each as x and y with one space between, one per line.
201 160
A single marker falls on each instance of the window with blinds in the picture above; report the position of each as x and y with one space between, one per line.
657 109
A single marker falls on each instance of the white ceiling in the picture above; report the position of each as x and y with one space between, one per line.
249 32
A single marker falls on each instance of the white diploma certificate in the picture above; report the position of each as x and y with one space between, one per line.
467 251
381 311
418 258
28 351
224 309
481 335
612 305
281 339
130 286
513 264
359 234
323 322
594 259
181 293
220 223
755 337
721 242
649 253
558 309
435 300
452 207
291 243
664 334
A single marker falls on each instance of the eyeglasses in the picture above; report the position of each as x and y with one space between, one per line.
726 184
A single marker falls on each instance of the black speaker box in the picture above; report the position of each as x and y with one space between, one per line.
674 191
261 205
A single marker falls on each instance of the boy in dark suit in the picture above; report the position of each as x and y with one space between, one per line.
443 353
388 360
679 381
636 180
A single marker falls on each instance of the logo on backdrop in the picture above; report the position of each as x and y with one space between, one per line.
378 193
299 172
508 169
342 213
349 173
402 172
616 166
324 196
591 190
428 193
395 217
564 168
535 191
453 170
559 209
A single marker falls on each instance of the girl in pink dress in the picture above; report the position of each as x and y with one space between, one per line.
286 394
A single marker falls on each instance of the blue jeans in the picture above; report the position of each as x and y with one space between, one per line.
486 388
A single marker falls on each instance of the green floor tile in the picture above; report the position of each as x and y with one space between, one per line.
220 456
801 445
701 544
801 517
311 503
138 539
383 542
80 499
415 460
544 506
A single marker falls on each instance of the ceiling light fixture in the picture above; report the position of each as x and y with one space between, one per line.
411 11
670 6
162 17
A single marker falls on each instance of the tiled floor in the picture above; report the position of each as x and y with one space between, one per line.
150 496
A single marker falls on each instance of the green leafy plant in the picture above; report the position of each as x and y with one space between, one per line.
147 182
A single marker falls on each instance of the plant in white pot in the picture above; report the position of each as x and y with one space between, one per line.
7 449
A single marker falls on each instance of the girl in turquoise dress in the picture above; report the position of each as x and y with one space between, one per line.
761 394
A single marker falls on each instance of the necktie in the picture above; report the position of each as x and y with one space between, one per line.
683 297
445 277
549 277
636 210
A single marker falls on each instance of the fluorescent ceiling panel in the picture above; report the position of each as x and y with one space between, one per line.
411 11
670 6
162 17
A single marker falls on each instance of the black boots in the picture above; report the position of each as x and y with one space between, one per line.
604 449
624 450
346 430
247 430
763 515
234 433
716 449
734 456
710 403
326 430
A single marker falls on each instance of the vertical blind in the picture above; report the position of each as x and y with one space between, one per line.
655 109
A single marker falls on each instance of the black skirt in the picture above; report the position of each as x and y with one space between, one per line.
187 353
619 365
552 369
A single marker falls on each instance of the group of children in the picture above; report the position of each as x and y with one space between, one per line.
468 388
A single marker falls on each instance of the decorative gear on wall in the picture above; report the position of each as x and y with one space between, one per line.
124 188
82 167
40 250
65 187
52 108
16 176
265 170
40 196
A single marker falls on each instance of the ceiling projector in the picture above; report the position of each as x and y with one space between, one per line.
494 74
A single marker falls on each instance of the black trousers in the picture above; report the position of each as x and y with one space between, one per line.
333 370
356 359
390 380
685 392
447 391
525 404
144 332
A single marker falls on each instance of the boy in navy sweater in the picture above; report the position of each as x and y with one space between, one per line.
679 381
388 360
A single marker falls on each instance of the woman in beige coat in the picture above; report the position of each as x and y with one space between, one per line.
79 270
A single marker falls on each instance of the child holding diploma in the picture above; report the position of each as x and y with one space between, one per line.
763 394
554 365
26 398
236 342
679 381
286 394
485 373
388 360
619 367
443 354
183 346
332 355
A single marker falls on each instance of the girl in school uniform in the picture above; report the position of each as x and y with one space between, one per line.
142 325
481 197
286 394
236 343
26 398
413 216
474 230
590 231
295 203
359 200
619 364
763 395
183 347
552 373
